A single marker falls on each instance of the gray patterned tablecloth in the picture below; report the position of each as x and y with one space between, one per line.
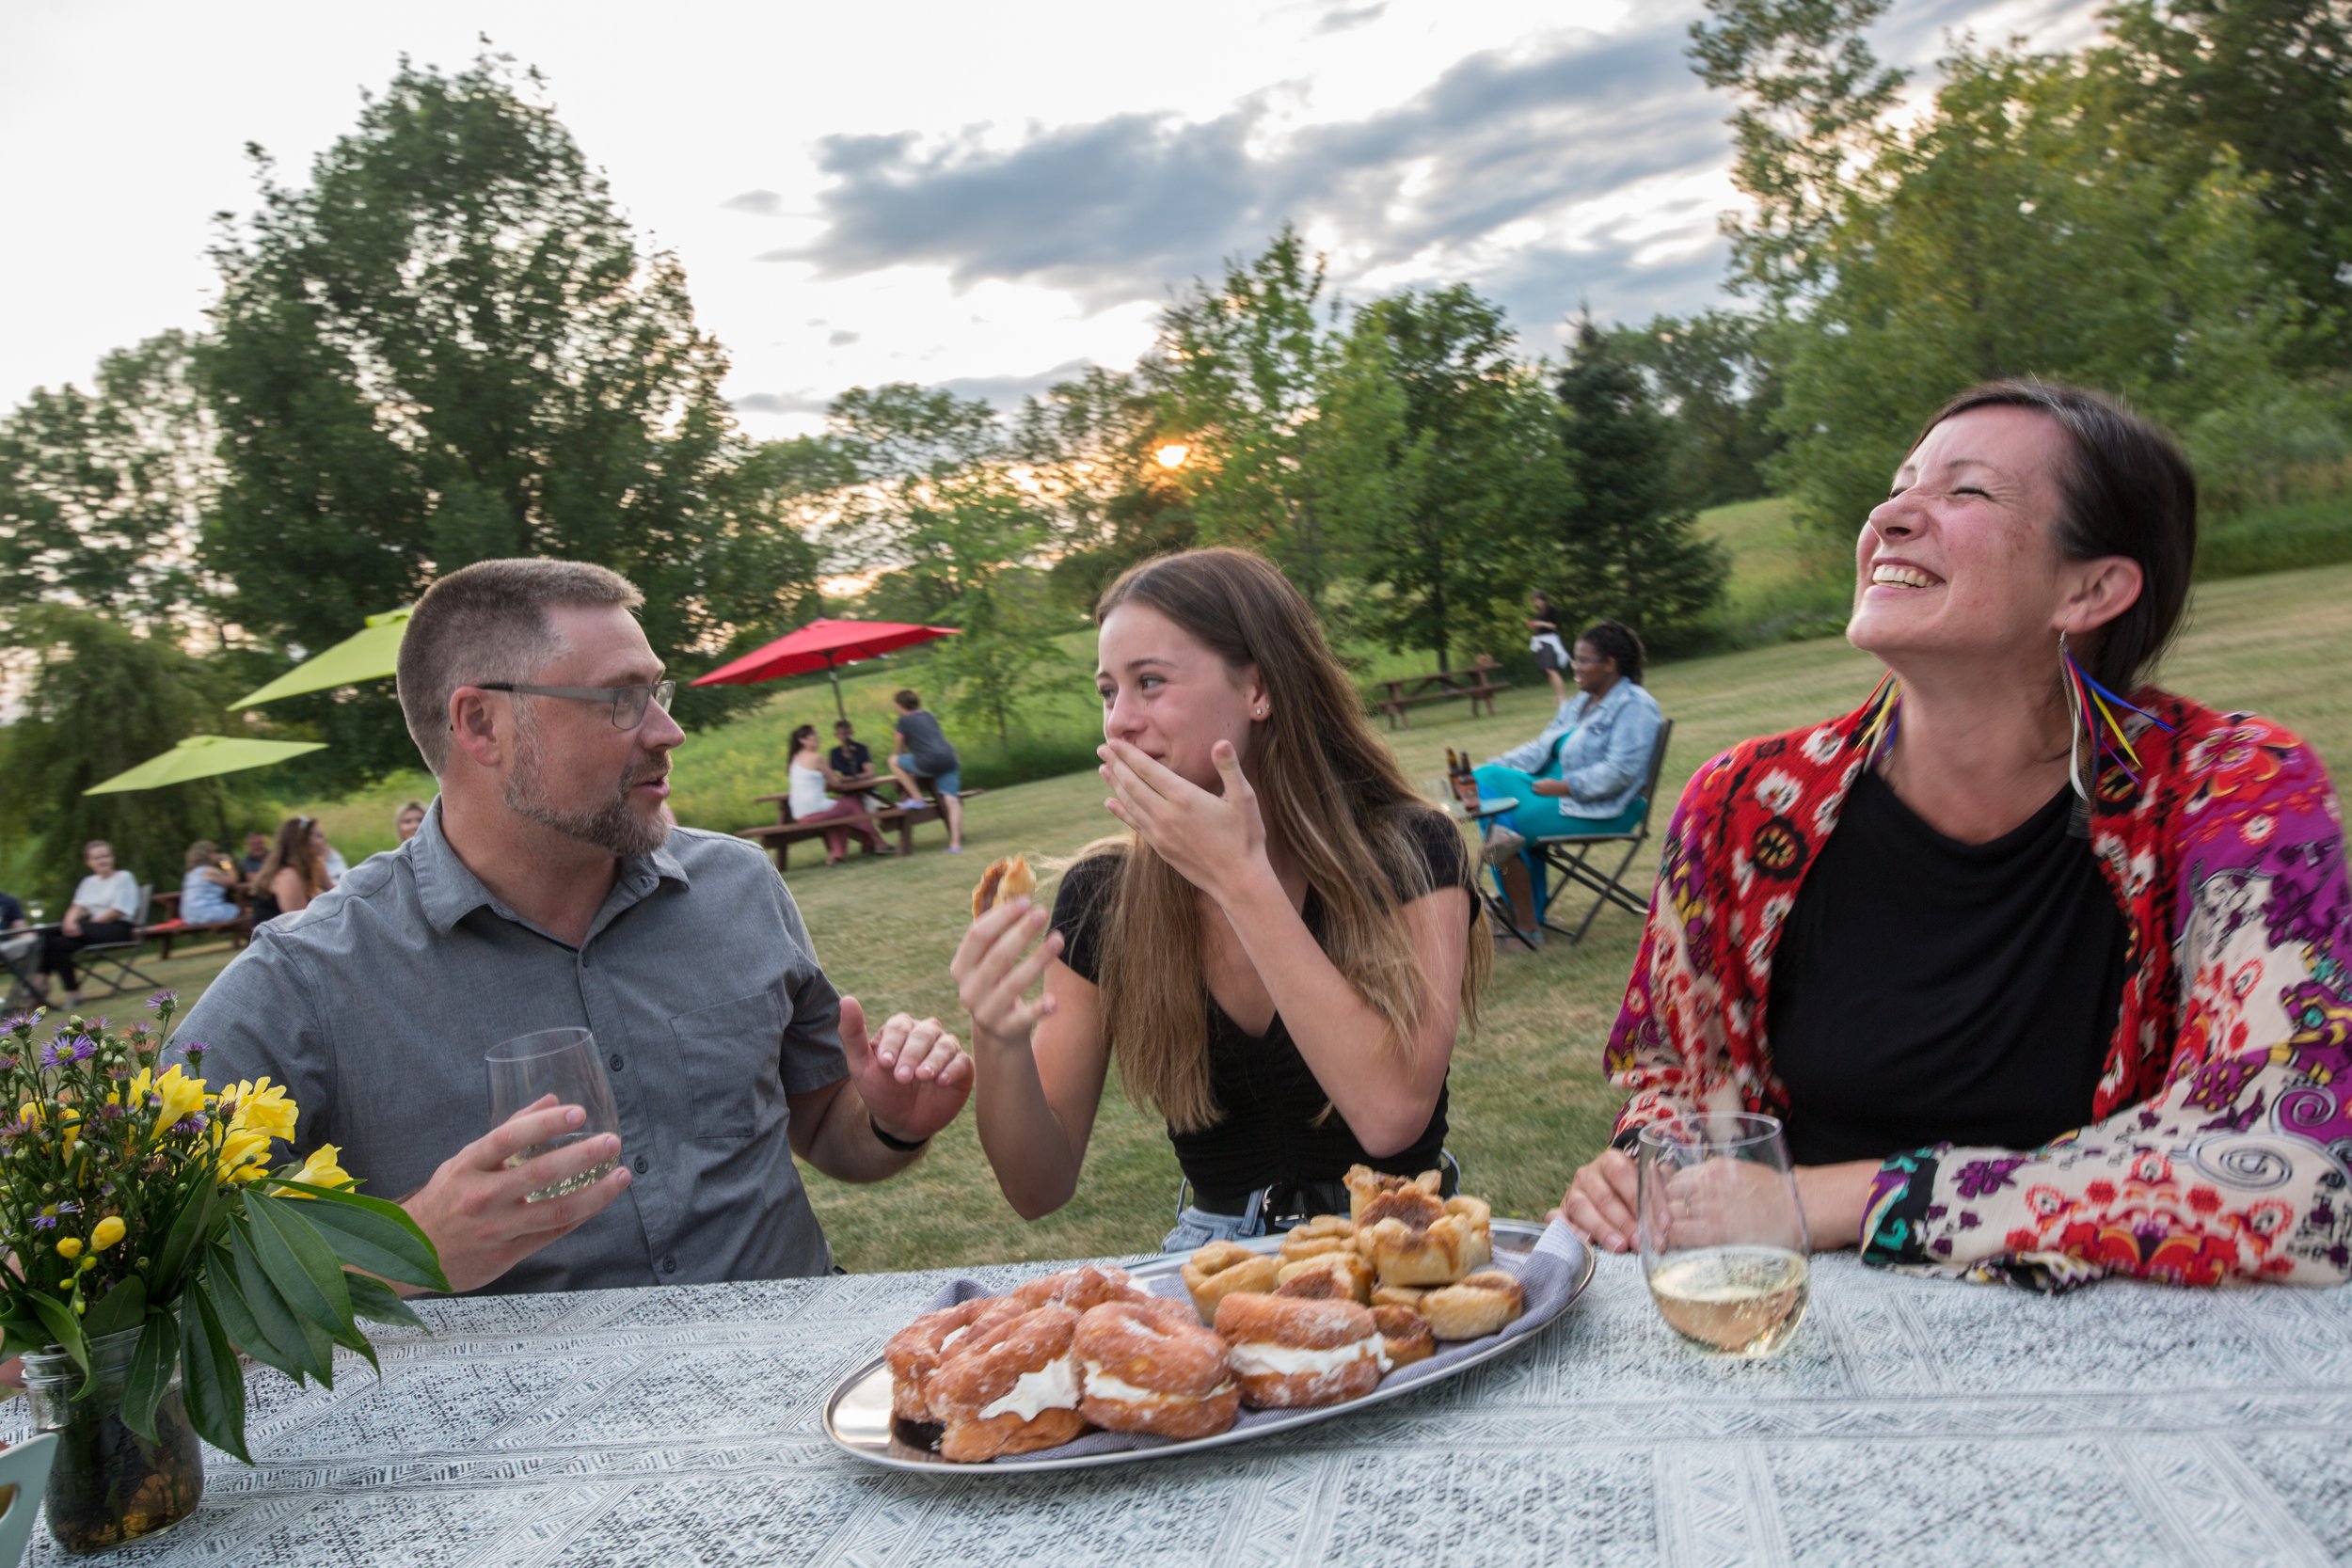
1911 1422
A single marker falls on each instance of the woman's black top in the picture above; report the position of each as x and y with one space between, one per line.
1267 1132
1931 991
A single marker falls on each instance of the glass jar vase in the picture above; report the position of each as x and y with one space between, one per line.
109 1485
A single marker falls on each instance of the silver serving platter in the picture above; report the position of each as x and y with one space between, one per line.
857 1414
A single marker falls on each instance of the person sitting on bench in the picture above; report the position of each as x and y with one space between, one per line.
810 803
204 892
1582 775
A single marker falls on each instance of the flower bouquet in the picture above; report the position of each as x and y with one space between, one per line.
152 1242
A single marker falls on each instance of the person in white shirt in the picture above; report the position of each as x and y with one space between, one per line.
810 803
104 906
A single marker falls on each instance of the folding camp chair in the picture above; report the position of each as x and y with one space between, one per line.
109 962
1567 857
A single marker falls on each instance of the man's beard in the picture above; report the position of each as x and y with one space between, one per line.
612 827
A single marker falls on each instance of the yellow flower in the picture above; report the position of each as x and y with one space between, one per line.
70 1247
182 1096
320 1169
244 1154
263 1107
107 1232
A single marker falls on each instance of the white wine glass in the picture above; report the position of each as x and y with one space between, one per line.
1721 1230
562 1063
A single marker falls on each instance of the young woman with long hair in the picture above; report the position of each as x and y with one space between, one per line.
811 803
1279 951
296 871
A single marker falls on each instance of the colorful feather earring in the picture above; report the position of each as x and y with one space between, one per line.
1877 731
2091 707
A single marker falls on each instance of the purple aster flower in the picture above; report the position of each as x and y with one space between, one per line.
50 1212
55 1053
193 1051
162 999
15 1021
112 1110
192 1122
84 1047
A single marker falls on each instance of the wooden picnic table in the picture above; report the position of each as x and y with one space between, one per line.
1479 684
778 840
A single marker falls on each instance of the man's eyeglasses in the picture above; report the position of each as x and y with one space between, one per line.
628 703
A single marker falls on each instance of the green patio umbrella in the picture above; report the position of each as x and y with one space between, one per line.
365 656
200 757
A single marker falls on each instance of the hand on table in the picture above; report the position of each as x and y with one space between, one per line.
993 975
1599 1204
913 1076
474 1209
1208 838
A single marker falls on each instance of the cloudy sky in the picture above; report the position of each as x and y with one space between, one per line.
986 195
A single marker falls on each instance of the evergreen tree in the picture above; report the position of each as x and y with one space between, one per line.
1632 551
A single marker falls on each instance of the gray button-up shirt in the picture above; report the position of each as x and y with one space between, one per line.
375 1004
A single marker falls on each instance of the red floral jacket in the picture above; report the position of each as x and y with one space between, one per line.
2222 1141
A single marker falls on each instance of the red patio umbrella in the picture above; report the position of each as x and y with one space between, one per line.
823 645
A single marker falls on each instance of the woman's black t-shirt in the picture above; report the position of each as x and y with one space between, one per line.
1932 992
1267 1131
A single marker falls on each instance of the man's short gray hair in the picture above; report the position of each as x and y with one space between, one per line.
488 622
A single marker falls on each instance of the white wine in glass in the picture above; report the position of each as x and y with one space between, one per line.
562 1063
1721 1232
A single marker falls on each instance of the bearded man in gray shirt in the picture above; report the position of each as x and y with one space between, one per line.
550 887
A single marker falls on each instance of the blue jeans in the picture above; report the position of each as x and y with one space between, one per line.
949 783
1196 1227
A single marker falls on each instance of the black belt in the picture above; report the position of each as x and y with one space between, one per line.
1287 1204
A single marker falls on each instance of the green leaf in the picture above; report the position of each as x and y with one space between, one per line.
300 1263
23 1331
121 1307
152 1361
249 1326
214 1382
65 1329
379 1237
379 1302
192 1226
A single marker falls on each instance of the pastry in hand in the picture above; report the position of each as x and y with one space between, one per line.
1150 1366
1476 1306
1003 882
1226 1268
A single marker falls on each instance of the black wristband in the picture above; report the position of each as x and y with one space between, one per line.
896 1145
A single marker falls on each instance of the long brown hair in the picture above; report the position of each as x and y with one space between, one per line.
293 850
1328 790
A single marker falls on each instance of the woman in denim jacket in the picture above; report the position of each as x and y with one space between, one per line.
1583 775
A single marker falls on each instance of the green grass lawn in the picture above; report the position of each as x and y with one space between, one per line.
1529 1098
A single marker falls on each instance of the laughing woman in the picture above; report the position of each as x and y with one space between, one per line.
1279 950
2045 983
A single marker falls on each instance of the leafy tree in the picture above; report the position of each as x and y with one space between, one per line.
104 699
1091 448
102 493
2019 240
448 347
936 507
1632 551
1240 365
1471 480
1714 375
2271 80
1813 100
